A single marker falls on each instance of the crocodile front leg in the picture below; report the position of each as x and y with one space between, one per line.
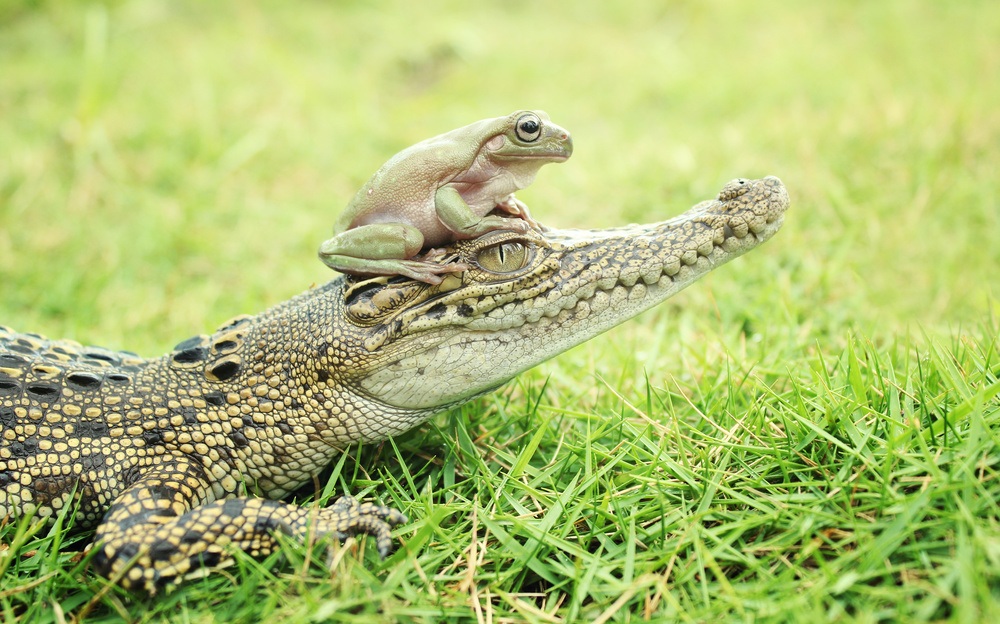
168 526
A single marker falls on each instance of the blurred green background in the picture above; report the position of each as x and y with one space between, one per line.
165 165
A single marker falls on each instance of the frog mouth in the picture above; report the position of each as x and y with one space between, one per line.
558 156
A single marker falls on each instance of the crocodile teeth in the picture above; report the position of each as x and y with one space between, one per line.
628 276
607 283
600 302
651 275
586 292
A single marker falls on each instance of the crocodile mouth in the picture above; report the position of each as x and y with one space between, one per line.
744 215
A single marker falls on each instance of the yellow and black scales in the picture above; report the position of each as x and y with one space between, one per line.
156 453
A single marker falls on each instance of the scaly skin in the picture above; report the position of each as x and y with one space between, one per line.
158 452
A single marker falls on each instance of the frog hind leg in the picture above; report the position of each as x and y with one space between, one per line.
383 249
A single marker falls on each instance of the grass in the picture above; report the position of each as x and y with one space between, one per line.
807 434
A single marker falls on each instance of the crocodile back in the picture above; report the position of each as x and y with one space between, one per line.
52 422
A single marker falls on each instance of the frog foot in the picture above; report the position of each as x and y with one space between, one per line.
437 253
427 272
517 208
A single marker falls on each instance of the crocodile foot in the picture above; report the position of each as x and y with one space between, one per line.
347 517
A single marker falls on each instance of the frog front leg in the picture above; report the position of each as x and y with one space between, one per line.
457 216
518 208
383 249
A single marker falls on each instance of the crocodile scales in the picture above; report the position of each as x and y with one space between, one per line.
157 453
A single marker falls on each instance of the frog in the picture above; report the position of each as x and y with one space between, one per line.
455 186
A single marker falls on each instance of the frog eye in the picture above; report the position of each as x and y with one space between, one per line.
503 257
529 128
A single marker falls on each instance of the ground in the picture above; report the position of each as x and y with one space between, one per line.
808 434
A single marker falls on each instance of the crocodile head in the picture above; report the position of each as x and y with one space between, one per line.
529 297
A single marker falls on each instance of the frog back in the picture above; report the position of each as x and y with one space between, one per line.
403 188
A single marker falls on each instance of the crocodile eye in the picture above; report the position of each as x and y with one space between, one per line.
529 128
503 258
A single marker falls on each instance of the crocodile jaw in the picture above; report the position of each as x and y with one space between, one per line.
463 340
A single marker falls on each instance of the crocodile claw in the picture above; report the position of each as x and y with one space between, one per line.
351 517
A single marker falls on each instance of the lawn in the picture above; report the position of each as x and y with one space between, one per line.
808 434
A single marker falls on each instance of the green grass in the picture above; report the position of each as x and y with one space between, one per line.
808 434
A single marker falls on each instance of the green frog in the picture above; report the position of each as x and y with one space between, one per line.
441 190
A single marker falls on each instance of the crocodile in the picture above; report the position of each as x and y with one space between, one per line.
182 459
